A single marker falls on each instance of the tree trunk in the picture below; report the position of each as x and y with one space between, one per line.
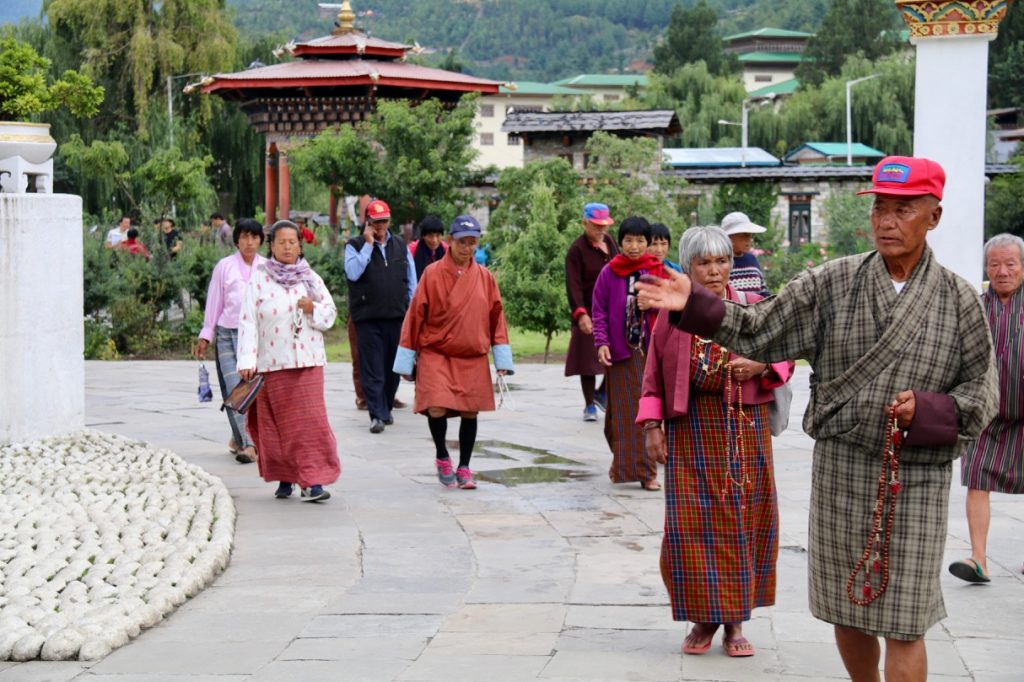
547 346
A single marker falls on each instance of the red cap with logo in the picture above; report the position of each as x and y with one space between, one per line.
377 210
907 176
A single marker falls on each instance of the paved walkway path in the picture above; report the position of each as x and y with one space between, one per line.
397 578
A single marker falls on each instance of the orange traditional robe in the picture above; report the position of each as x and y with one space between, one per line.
454 319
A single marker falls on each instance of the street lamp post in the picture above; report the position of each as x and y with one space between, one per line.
849 115
170 103
743 132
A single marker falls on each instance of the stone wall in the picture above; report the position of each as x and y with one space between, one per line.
42 371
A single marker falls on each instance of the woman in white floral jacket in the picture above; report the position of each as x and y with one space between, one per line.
287 308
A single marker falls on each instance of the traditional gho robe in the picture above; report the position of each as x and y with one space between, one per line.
996 460
454 319
866 343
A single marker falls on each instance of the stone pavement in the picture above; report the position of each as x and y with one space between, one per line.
553 578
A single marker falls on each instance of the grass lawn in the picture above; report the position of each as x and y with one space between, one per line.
526 346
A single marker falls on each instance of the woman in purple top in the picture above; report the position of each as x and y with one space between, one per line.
621 335
223 304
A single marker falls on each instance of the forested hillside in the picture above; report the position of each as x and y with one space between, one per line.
525 39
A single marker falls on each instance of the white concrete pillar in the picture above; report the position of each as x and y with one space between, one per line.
949 117
42 371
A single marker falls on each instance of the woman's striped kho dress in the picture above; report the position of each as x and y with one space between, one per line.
721 538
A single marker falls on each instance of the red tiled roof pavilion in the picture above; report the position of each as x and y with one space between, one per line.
335 79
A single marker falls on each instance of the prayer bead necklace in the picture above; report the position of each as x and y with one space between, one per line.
875 559
735 452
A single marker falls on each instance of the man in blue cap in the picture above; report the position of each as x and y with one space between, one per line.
587 256
455 318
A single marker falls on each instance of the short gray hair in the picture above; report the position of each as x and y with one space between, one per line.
1005 239
709 240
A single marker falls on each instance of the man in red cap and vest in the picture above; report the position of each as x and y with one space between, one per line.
903 380
381 282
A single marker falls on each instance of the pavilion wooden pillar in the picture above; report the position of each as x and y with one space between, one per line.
270 184
284 185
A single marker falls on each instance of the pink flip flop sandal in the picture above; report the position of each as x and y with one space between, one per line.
737 647
697 649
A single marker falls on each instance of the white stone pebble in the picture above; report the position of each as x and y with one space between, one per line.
101 537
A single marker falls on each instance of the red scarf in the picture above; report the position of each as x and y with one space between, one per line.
624 266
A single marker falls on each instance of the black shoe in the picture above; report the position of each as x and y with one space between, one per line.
389 421
283 490
376 426
315 493
601 400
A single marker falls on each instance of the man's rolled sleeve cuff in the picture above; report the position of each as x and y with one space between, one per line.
206 334
650 408
405 361
702 315
935 421
503 358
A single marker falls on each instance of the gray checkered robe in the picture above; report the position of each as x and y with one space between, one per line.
865 344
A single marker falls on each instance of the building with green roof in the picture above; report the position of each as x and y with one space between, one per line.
768 56
833 153
781 89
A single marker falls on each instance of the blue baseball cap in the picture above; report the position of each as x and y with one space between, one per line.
465 226
598 214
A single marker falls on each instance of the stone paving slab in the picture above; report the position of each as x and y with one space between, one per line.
396 578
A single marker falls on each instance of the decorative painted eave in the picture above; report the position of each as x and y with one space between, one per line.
952 18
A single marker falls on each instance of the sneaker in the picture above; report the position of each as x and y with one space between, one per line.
389 421
315 493
283 490
444 472
601 400
465 478
590 413
376 426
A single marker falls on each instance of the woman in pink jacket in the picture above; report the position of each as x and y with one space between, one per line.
704 413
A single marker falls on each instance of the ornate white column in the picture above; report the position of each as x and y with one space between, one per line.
952 38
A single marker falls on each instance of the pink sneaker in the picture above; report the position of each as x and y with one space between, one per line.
444 472
465 478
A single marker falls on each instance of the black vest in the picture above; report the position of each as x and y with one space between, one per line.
382 293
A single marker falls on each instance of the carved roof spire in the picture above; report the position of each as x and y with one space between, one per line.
346 20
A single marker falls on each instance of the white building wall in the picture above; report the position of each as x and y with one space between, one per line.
494 146
42 371
773 75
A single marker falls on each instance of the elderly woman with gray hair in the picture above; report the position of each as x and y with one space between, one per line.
704 413
995 462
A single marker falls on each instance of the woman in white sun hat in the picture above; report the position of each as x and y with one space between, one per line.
746 274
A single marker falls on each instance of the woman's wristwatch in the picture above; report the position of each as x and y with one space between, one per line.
651 424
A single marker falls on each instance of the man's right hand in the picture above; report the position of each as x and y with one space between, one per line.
200 349
368 232
586 325
654 443
664 294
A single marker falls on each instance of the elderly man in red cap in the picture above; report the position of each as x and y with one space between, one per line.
903 380
381 282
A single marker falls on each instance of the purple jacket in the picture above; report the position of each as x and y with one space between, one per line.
609 315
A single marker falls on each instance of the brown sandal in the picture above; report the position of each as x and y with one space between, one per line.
247 455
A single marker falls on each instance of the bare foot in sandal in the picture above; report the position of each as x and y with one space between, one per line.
734 643
698 641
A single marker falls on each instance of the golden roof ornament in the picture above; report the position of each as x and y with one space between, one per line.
346 20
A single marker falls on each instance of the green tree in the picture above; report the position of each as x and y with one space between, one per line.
1006 62
532 280
24 91
625 174
849 229
756 199
414 156
850 27
692 36
515 187
131 47
700 99
1004 210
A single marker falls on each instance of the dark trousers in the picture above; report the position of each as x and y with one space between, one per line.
377 341
354 347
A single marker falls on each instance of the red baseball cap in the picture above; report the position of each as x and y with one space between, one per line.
378 210
907 176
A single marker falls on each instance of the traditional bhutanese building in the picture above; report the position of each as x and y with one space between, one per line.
336 79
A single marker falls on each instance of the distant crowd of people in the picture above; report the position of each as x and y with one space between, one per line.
694 359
